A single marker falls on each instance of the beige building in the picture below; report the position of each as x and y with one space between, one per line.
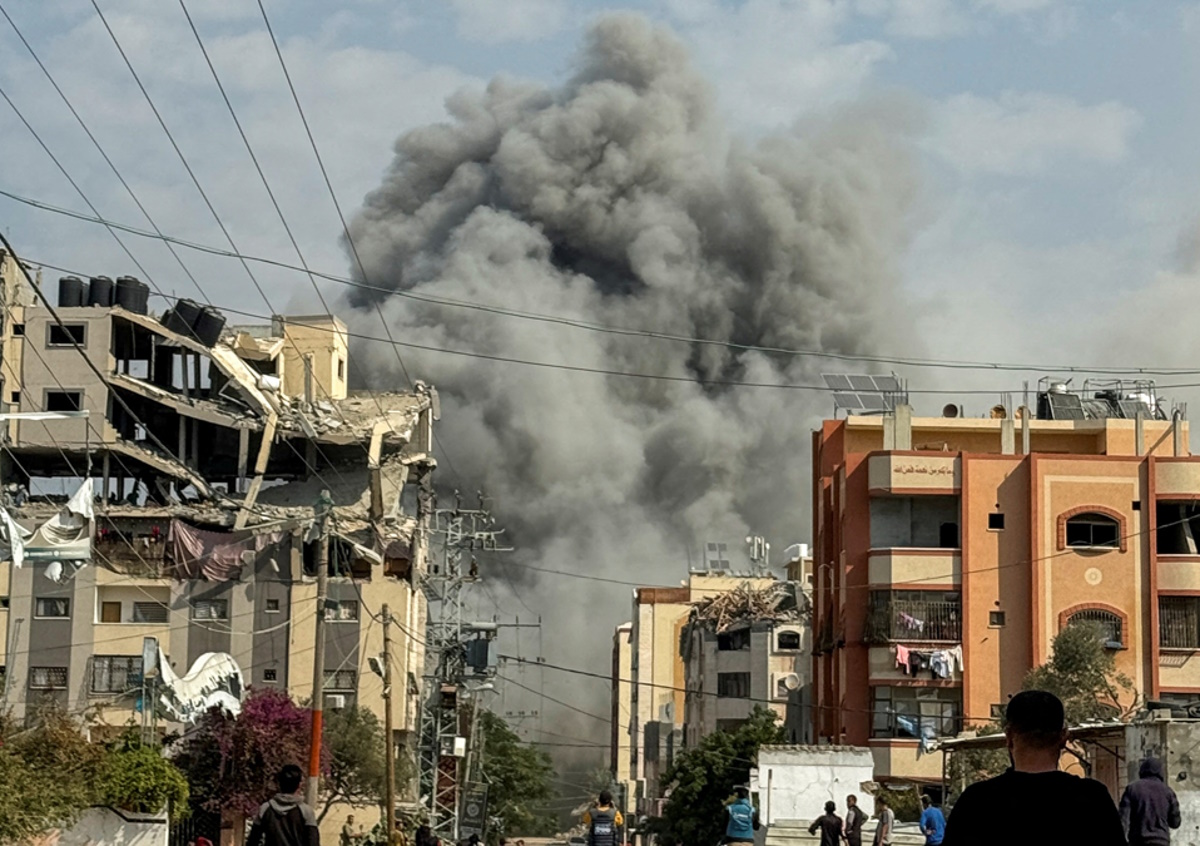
208 449
978 540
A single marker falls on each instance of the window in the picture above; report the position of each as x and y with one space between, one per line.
4 602
916 712
1179 622
110 612
52 608
996 619
733 685
787 641
116 673
341 611
150 612
272 606
19 330
341 370
1178 527
210 609
48 678
1107 624
67 335
1093 530
927 521
341 681
16 397
64 401
996 521
733 641
913 615
997 712
270 675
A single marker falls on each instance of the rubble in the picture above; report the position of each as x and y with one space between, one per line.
778 602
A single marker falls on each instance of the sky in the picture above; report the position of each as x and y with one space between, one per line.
1054 217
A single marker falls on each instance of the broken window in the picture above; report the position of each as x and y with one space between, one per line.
210 609
733 641
66 335
1178 528
340 612
64 401
926 521
52 608
733 685
1093 530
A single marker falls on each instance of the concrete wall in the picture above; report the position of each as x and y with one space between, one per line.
795 782
110 826
324 338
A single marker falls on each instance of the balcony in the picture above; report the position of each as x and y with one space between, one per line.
892 617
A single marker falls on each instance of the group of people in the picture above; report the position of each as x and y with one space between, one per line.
1032 801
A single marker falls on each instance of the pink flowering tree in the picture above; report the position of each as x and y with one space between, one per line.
231 762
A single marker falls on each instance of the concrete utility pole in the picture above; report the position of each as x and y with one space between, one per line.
321 509
389 744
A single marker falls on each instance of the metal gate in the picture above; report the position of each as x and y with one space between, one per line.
198 824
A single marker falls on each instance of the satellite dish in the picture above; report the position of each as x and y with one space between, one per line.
950 410
791 681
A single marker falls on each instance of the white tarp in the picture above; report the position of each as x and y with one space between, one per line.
215 679
67 536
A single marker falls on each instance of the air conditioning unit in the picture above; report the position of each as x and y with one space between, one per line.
453 747
786 684
335 701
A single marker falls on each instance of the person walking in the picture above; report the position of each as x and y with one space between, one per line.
887 822
284 820
855 818
1032 801
603 822
346 838
743 819
830 825
933 824
1149 808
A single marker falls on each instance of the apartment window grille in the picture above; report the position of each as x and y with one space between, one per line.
116 673
48 678
210 609
1179 622
1106 623
150 612
341 681
914 615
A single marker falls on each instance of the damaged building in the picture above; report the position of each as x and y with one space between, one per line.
219 457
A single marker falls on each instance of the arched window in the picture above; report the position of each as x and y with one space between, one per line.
1106 622
787 641
1093 529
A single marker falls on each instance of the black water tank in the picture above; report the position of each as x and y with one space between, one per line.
70 292
126 293
171 320
209 325
141 300
187 312
100 292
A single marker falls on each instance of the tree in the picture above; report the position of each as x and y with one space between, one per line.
47 775
518 777
702 779
231 762
1083 673
137 778
356 746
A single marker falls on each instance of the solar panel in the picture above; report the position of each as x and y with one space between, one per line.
863 383
888 384
847 400
862 392
1130 408
1065 407
837 382
875 402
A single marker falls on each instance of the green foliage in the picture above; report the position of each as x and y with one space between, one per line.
965 767
137 778
519 779
703 779
905 803
46 775
355 742
1083 674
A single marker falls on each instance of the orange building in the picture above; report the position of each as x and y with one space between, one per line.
944 537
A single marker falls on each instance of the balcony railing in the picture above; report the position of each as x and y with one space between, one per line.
913 620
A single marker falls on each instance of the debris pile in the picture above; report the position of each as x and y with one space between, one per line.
777 602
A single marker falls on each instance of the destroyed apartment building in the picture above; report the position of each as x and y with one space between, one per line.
166 477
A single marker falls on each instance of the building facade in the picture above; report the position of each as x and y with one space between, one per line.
950 551
229 465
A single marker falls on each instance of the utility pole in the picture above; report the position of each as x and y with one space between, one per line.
387 725
321 510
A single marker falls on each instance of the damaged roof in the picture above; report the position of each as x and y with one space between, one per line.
778 602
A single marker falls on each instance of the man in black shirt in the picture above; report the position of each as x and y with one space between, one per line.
855 818
830 826
1032 802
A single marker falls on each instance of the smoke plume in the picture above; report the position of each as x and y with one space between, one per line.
622 199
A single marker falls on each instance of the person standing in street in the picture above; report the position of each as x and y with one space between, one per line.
1032 801
1149 808
743 819
829 824
284 820
603 822
855 818
933 824
887 822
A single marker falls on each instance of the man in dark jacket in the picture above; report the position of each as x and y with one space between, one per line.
1027 803
1149 809
285 820
855 818
830 826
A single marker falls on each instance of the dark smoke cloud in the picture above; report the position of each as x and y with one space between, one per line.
621 198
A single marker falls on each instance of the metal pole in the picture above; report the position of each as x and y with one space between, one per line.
318 691
389 744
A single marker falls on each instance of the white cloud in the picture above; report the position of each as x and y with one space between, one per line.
1024 133
495 21
927 19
